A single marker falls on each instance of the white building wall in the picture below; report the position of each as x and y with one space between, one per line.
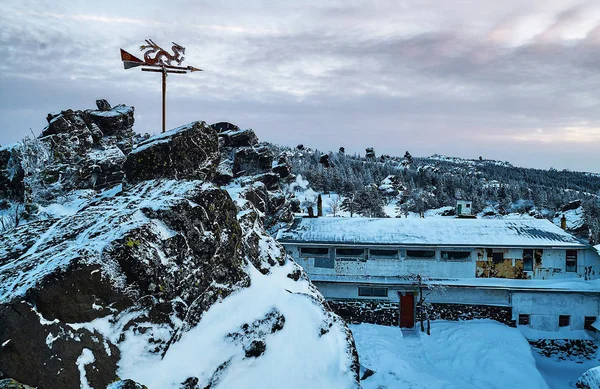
545 307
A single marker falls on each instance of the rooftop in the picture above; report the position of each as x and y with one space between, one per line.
450 232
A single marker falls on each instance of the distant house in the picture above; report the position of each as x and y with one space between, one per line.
521 272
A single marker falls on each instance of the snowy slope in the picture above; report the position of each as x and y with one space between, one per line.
481 354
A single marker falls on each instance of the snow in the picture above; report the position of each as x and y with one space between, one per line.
429 231
562 374
84 359
574 218
295 357
479 354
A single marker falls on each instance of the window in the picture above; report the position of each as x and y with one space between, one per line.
350 252
467 205
314 251
571 260
528 259
420 254
564 320
523 320
497 258
456 255
588 321
368 291
383 253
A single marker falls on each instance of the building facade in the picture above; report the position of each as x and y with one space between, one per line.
393 271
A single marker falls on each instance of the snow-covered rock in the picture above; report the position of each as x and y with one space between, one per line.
171 281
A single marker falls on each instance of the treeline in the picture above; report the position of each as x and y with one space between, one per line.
419 184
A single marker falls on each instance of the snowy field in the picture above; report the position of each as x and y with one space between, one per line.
481 354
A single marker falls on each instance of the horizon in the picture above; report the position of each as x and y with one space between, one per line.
504 81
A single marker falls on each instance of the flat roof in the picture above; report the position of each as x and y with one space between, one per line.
450 232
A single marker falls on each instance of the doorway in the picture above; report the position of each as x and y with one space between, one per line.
407 310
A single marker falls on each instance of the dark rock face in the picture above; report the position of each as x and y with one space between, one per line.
252 160
239 138
369 153
324 160
224 126
188 152
103 105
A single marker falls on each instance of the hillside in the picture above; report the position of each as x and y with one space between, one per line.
380 186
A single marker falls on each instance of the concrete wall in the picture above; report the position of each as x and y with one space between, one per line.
553 265
544 308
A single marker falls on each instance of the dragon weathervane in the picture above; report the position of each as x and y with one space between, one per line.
157 59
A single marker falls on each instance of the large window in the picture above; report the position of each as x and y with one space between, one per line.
383 253
564 320
456 255
571 260
345 252
367 291
420 254
314 251
528 259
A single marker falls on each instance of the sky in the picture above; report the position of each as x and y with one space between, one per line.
511 80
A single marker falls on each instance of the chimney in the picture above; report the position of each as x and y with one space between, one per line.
563 222
311 212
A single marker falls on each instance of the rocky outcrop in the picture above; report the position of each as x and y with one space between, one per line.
187 152
132 278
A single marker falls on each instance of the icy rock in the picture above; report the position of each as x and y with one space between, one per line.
103 105
126 384
370 153
252 160
590 379
239 138
324 160
187 152
224 126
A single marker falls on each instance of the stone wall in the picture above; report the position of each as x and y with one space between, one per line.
367 311
455 312
566 349
387 313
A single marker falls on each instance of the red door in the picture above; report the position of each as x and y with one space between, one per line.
407 310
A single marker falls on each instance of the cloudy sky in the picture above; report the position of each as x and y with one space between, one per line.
504 79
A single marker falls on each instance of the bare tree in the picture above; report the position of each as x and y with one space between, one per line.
334 204
424 305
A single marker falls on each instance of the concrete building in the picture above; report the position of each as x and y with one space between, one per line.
521 272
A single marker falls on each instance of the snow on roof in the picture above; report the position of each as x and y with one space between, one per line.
429 232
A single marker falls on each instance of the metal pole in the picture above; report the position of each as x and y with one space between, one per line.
164 97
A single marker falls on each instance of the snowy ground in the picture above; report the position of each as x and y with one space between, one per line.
481 354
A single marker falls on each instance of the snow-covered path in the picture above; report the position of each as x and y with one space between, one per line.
478 354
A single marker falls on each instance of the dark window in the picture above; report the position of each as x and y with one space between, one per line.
327 263
427 254
347 259
368 291
588 321
456 255
571 260
523 320
528 259
350 252
564 320
497 257
312 251
467 205
383 253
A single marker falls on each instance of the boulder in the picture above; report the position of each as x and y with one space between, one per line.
103 105
187 152
369 153
9 383
239 138
252 160
116 121
324 160
224 126
590 379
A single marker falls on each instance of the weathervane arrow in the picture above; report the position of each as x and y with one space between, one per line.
157 59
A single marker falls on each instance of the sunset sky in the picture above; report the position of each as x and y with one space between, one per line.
504 79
